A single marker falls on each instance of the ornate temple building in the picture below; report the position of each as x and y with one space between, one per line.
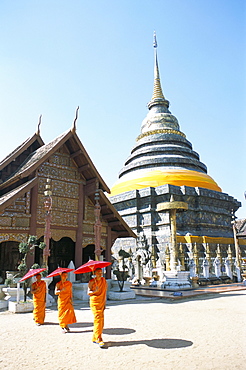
164 193
78 205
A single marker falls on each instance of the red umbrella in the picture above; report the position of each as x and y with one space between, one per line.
91 266
32 272
59 270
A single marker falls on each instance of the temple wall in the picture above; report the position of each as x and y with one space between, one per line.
65 190
20 219
207 220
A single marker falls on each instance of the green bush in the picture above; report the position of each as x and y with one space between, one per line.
32 239
9 281
42 245
23 248
22 267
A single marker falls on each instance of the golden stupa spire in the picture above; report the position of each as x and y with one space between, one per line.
158 96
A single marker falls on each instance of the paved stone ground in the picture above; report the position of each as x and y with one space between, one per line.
206 332
189 293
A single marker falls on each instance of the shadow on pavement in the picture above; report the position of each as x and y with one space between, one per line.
155 343
81 325
50 323
79 331
118 331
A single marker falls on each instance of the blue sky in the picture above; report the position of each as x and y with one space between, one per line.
56 55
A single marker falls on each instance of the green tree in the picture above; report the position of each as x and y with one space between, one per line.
25 249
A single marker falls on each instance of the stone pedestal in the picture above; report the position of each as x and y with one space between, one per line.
11 294
3 302
147 280
80 291
49 299
20 306
17 294
176 280
71 275
194 281
114 293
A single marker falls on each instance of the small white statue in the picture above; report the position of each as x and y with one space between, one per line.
192 267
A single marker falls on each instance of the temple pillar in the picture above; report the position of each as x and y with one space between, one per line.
47 231
237 250
174 249
208 256
79 232
174 279
219 253
153 256
97 227
173 207
33 221
167 258
229 253
196 257
108 252
181 256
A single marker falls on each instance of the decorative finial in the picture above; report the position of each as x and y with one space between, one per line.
157 97
75 119
39 123
155 41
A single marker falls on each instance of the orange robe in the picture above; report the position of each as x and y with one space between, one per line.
66 313
97 305
39 301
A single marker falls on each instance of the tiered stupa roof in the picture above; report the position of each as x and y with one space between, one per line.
162 154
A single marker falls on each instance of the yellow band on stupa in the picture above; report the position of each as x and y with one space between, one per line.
158 178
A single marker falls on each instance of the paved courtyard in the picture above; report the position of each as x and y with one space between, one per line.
206 332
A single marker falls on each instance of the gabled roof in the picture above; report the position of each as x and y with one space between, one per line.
77 151
241 228
25 177
20 149
7 199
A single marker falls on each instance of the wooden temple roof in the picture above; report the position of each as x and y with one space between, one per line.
8 198
18 174
36 158
10 163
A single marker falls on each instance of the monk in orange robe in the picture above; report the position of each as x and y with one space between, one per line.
38 289
66 313
97 289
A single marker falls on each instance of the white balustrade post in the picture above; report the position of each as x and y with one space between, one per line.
18 293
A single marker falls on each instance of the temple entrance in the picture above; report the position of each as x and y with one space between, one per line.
10 257
88 253
61 253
